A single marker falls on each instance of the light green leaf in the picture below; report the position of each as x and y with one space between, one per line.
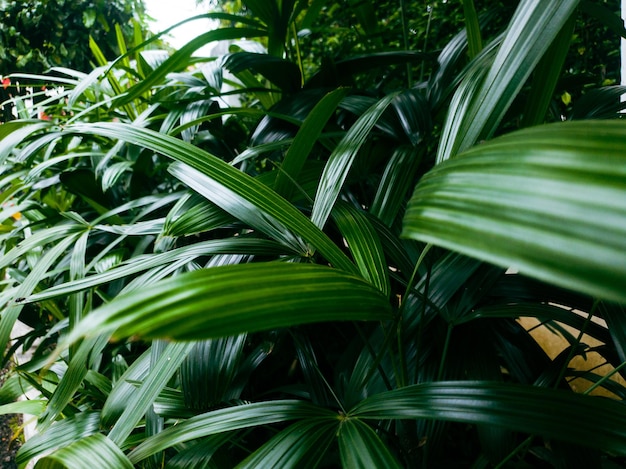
94 451
141 263
124 389
72 379
180 59
59 435
550 201
232 299
398 178
142 399
30 407
304 141
546 76
472 26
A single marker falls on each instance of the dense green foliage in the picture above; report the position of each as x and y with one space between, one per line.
40 34
329 271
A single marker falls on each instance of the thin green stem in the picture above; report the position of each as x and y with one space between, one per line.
523 445
405 37
422 319
377 357
298 54
573 347
604 378
409 285
430 17
444 354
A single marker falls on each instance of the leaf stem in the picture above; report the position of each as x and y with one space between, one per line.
573 347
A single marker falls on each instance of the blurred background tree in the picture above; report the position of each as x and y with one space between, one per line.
38 34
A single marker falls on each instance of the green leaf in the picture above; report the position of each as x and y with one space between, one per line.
304 141
341 72
29 284
239 208
61 434
301 445
228 181
398 178
341 160
228 419
361 447
72 379
281 72
94 451
15 132
364 245
550 201
232 299
193 214
30 407
546 76
473 28
143 398
141 263
208 372
552 413
180 59
530 33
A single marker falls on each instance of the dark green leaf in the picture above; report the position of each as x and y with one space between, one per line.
562 415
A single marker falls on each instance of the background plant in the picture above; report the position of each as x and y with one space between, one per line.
322 275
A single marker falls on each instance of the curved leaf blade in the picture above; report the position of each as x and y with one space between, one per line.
233 299
360 446
228 419
364 244
87 453
341 159
229 180
553 413
550 201
301 445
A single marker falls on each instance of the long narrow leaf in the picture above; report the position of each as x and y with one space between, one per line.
364 245
341 159
550 201
303 143
300 446
530 33
155 381
360 447
229 180
233 299
228 419
562 415
94 451
61 434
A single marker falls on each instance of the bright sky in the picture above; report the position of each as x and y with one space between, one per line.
166 13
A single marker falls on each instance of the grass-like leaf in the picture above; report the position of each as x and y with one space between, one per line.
229 181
